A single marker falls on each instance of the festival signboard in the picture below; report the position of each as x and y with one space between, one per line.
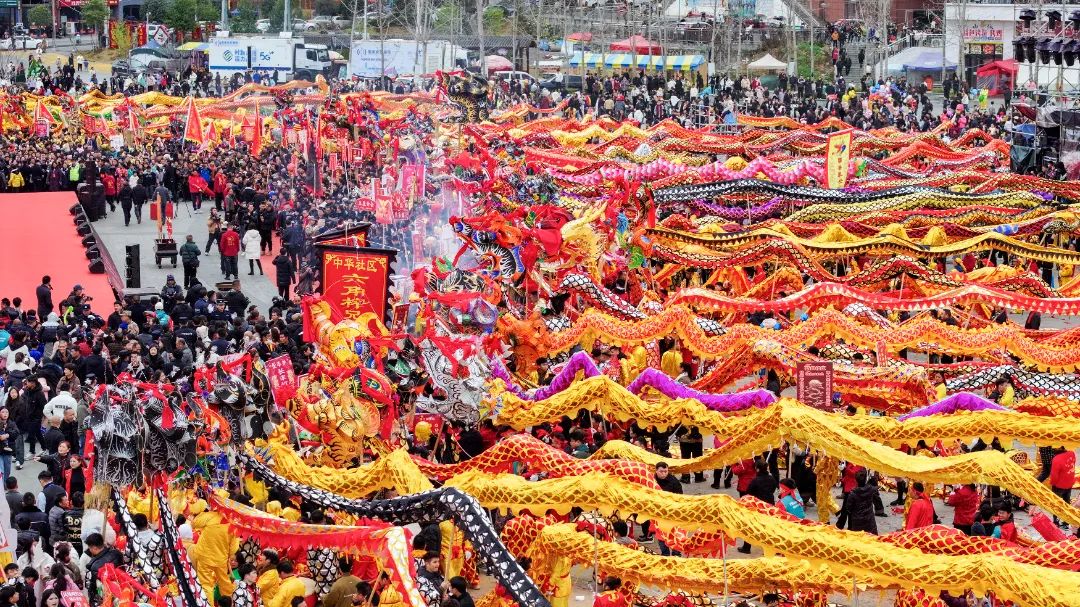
356 280
814 384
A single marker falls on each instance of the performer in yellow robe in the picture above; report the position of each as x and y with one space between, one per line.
291 586
211 553
559 585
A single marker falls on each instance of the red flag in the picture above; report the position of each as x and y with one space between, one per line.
193 130
256 135
318 137
41 113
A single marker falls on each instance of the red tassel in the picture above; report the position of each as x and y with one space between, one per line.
167 418
389 416
308 334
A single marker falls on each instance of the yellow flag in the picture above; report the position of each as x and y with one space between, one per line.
838 159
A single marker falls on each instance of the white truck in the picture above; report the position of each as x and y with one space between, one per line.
290 58
370 58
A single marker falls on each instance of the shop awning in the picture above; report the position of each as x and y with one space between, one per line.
681 63
193 46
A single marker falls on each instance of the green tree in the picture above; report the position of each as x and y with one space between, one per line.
208 10
247 13
181 17
122 39
277 15
157 9
495 21
39 14
95 12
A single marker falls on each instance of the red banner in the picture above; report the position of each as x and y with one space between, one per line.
384 206
279 371
356 282
413 181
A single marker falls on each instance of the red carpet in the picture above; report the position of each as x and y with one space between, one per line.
38 238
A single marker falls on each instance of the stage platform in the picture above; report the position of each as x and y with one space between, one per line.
38 238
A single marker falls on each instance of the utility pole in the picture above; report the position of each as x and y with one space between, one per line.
352 30
480 36
224 15
382 42
712 37
539 11
286 25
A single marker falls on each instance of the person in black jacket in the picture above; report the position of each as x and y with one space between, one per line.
266 220
28 413
125 197
762 486
44 297
139 194
100 555
284 270
670 484
858 508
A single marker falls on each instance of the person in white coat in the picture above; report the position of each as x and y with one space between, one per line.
251 242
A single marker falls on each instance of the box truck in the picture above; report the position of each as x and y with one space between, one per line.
290 58
370 58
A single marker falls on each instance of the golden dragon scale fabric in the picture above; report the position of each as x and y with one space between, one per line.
399 471
603 395
843 552
707 248
538 456
788 421
757 523
394 470
923 333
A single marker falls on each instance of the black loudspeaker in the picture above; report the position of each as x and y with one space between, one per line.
75 209
83 228
79 217
96 266
1018 49
89 241
92 253
133 278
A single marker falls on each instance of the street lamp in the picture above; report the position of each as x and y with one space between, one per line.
824 21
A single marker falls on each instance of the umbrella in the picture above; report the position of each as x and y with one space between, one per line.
582 36
498 63
637 44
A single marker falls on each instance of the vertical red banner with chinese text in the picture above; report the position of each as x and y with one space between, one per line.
279 370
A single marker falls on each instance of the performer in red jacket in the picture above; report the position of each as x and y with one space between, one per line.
965 502
1063 475
921 513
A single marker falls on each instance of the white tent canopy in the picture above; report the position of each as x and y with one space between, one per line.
766 63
